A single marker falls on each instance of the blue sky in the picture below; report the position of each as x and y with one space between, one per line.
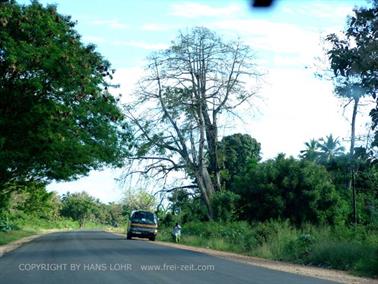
293 106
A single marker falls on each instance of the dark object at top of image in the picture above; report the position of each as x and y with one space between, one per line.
262 3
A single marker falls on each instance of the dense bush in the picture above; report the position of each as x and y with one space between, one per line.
286 188
235 153
365 183
224 205
186 207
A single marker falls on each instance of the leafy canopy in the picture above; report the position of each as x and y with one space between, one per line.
57 118
78 206
236 152
285 188
353 58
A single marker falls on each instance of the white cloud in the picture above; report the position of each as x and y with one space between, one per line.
286 42
140 44
284 37
156 27
113 24
195 10
322 10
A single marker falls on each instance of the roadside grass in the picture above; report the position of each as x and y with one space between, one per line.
21 226
7 237
352 249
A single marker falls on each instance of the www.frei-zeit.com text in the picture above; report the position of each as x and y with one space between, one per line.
113 267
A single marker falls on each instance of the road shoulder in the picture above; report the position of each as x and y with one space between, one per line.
18 243
310 271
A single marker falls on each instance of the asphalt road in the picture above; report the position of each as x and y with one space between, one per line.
99 257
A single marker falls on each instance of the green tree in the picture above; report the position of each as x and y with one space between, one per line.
100 213
187 206
40 202
116 212
365 183
362 30
177 107
346 76
311 152
58 120
78 206
354 64
330 148
285 188
235 153
33 199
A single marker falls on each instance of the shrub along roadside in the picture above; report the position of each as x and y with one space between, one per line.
350 249
13 228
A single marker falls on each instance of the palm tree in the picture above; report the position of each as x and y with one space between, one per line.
311 152
330 148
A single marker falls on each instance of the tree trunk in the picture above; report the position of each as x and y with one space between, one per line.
211 136
351 186
207 189
203 177
212 145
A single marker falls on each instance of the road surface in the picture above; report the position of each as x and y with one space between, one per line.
99 257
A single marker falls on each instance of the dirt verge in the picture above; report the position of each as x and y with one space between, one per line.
327 274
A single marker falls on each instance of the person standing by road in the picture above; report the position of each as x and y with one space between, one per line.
176 232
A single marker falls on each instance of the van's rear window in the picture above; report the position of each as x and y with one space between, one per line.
143 217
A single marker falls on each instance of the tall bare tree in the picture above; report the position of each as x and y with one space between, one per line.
178 104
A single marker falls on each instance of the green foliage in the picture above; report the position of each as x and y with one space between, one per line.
324 150
365 183
330 148
21 220
37 201
57 119
353 59
112 214
33 199
83 208
167 220
116 213
235 153
78 206
311 152
339 255
224 205
215 235
187 207
299 248
33 209
285 188
5 225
